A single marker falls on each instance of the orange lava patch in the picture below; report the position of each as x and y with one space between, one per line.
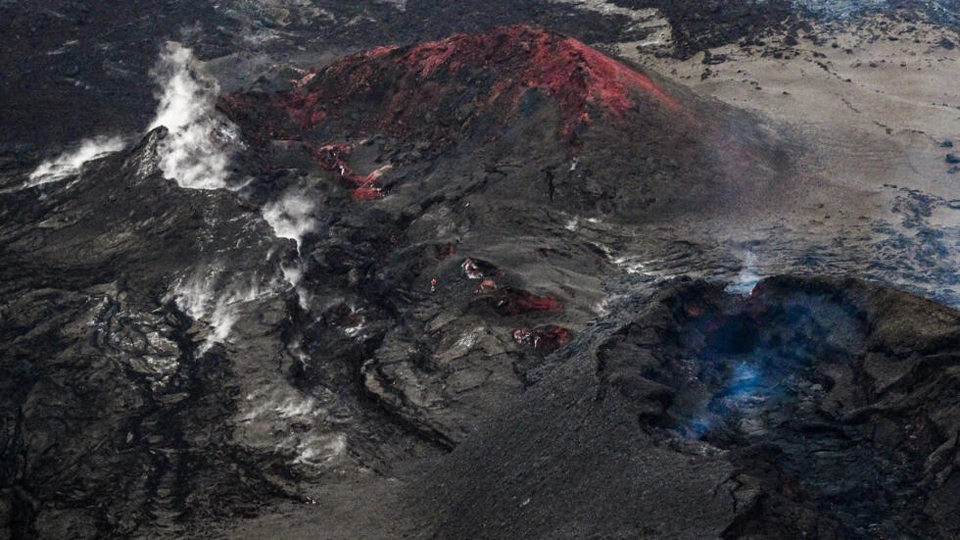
516 302
332 157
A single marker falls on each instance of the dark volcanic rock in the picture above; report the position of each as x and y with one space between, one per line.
453 144
47 102
144 385
442 89
817 408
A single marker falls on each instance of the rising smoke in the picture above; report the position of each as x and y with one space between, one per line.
71 162
291 216
200 142
748 277
216 299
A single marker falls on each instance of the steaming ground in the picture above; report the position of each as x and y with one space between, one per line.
199 144
71 163
882 205
197 152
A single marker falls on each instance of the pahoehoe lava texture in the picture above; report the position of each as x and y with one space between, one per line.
814 408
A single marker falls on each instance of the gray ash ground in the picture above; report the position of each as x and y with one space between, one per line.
278 317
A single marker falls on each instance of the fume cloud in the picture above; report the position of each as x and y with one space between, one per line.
201 142
291 216
71 163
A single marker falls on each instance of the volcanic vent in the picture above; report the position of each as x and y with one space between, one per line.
488 147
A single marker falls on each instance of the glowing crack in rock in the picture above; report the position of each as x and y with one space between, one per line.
516 302
71 163
332 157
199 144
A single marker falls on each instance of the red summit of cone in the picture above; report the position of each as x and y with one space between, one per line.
462 80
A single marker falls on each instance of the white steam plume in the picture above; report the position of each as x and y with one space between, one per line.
200 142
71 163
317 450
291 216
748 277
208 299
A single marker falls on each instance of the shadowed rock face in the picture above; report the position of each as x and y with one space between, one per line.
812 408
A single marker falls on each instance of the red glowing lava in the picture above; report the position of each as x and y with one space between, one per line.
332 157
445 91
545 339
406 81
515 302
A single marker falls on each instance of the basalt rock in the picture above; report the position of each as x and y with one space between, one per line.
818 408
453 143
459 84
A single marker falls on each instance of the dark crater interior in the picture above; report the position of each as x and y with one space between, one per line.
801 389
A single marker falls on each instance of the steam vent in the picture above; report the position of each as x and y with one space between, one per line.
479 270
